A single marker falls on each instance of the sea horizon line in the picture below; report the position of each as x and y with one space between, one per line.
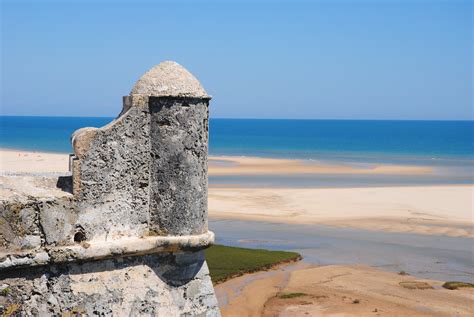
269 119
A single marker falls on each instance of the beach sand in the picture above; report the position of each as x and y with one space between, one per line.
17 161
340 291
240 166
445 210
328 290
428 209
24 162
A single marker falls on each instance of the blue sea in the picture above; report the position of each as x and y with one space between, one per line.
309 139
436 143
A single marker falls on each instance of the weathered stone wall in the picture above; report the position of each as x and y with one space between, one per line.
30 223
163 190
151 285
128 240
178 170
113 177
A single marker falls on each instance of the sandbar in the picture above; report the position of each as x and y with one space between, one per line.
443 210
236 165
428 209
20 161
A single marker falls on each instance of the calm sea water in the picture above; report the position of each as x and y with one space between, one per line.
437 143
310 139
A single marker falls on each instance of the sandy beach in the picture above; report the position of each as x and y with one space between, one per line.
445 210
334 290
17 161
430 209
26 162
339 291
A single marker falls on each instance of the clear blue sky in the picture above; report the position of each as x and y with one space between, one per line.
258 59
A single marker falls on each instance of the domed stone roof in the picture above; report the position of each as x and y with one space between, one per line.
169 79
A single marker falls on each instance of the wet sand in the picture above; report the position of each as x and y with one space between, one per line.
246 295
340 291
343 265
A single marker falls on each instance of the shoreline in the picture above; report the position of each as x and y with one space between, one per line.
335 289
233 295
431 210
225 165
271 267
243 166
426 209
444 210
299 165
347 157
402 276
438 257
448 229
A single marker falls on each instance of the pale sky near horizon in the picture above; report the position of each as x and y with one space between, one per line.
406 59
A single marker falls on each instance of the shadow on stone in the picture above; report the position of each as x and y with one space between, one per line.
98 286
175 269
186 267
65 183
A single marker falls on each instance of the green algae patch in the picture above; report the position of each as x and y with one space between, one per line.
227 262
290 295
455 285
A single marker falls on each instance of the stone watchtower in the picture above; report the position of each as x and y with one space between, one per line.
129 240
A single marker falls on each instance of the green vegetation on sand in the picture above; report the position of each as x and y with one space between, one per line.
456 285
227 262
290 295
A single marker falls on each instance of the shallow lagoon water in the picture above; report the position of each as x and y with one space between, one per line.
457 177
426 256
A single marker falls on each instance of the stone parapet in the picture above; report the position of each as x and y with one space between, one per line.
136 211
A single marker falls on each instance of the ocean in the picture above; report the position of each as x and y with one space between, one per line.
305 139
446 144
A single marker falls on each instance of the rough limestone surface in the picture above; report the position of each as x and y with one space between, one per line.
178 183
125 237
151 285
169 79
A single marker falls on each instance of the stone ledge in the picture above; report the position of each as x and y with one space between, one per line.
91 251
